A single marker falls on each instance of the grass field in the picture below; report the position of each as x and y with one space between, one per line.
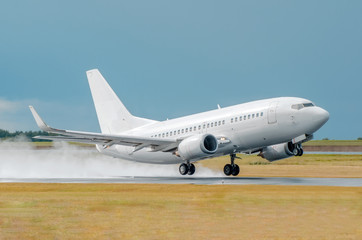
121 211
151 211
309 165
333 143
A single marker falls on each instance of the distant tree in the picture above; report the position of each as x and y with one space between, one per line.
4 134
360 138
325 139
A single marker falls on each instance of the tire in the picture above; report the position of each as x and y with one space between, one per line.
192 169
183 169
228 169
296 151
236 170
300 152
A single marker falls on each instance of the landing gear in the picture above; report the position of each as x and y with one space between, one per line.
298 150
232 169
183 169
188 168
192 169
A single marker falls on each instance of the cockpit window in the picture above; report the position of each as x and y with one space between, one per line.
297 106
308 104
302 105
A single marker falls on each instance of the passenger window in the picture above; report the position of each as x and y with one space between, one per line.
199 127
257 115
219 123
241 118
159 135
182 131
249 116
223 122
204 126
253 115
261 114
186 130
178 131
170 134
236 119
208 125
212 124
174 133
163 135
232 120
195 128
166 134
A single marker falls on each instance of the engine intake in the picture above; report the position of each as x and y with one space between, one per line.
197 146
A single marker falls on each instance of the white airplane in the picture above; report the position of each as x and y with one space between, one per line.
276 128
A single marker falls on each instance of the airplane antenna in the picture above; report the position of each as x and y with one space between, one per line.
218 106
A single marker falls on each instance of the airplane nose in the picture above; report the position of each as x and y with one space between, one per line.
321 116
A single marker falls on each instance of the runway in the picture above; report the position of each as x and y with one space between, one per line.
339 182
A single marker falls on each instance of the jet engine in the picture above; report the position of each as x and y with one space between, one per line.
280 151
197 146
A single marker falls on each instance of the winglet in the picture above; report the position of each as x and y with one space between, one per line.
41 124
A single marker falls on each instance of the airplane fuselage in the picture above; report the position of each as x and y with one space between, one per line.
243 128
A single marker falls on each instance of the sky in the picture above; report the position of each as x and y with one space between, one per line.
167 59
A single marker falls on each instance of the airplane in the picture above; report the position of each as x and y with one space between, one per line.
274 128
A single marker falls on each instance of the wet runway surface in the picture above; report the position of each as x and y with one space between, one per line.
341 182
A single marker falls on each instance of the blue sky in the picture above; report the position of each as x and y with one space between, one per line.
167 59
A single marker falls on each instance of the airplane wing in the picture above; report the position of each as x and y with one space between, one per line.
106 140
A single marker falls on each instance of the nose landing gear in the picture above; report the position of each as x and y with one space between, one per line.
232 169
298 150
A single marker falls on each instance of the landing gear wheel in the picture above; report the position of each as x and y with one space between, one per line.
300 152
184 169
192 169
236 170
228 169
296 151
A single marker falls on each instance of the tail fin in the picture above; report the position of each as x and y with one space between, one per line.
113 116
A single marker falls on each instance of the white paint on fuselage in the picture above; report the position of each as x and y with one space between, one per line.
279 123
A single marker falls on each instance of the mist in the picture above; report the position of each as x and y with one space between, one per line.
22 160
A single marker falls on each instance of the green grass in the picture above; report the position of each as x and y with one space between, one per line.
152 211
333 143
309 165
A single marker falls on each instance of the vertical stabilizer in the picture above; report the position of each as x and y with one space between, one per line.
113 116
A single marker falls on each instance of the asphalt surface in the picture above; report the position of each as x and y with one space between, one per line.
339 182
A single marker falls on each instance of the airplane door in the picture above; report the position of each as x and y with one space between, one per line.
272 110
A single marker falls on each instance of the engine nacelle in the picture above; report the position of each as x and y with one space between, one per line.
278 151
197 146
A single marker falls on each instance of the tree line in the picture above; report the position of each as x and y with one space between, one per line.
4 134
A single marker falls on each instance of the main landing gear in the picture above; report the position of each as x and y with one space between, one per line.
187 168
232 169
